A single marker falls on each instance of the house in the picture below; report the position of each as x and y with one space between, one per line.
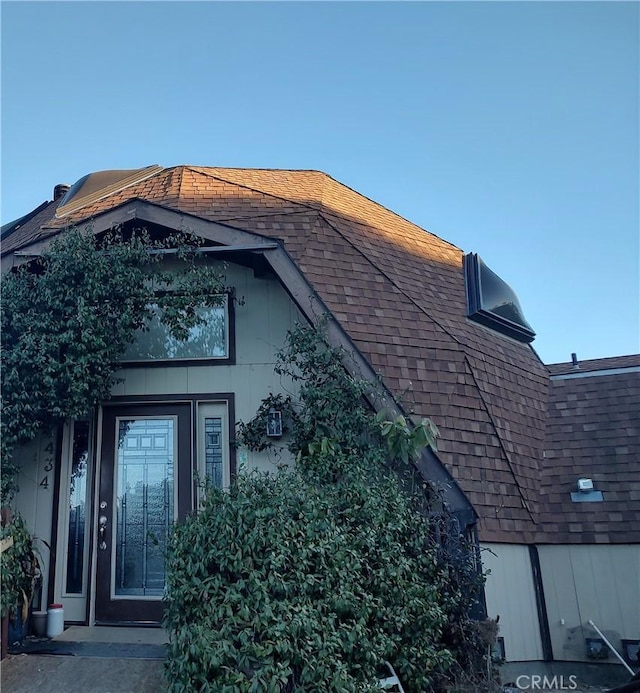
590 548
585 562
436 323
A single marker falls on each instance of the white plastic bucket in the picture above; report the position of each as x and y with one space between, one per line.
55 620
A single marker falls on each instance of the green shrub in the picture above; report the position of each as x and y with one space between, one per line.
285 585
19 568
309 579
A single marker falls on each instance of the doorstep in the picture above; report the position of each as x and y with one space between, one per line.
99 641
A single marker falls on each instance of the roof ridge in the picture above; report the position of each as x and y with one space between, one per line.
393 283
252 168
501 443
11 226
587 366
601 359
181 174
256 190
327 180
390 211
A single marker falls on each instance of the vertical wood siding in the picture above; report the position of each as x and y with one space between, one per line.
34 500
590 582
510 593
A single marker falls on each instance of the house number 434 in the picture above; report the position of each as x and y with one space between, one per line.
48 465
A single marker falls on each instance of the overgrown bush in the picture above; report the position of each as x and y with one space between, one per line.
284 585
310 578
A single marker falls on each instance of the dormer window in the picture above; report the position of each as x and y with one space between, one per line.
492 302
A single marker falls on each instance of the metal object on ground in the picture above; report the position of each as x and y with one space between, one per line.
612 648
392 680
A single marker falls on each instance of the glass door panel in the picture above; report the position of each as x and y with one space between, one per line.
145 486
145 502
213 451
77 508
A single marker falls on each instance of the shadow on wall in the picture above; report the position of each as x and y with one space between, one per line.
583 643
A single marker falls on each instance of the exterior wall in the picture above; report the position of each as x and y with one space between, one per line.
510 593
600 583
263 314
35 501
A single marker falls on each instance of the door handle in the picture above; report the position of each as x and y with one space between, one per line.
102 529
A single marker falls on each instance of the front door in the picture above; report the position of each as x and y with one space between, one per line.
145 486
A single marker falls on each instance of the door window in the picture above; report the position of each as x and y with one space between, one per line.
145 504
77 508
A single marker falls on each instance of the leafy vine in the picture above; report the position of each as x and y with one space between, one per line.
69 315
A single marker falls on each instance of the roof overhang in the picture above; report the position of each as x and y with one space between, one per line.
301 291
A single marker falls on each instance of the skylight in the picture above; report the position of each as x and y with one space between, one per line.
98 185
492 302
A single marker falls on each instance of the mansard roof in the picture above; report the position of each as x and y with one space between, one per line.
399 293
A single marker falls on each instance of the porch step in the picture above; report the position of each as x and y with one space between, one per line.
114 634
42 646
82 641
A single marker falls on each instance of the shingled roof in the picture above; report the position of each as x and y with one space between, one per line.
593 431
594 365
399 293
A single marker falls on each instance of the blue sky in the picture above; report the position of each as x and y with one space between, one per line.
507 128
